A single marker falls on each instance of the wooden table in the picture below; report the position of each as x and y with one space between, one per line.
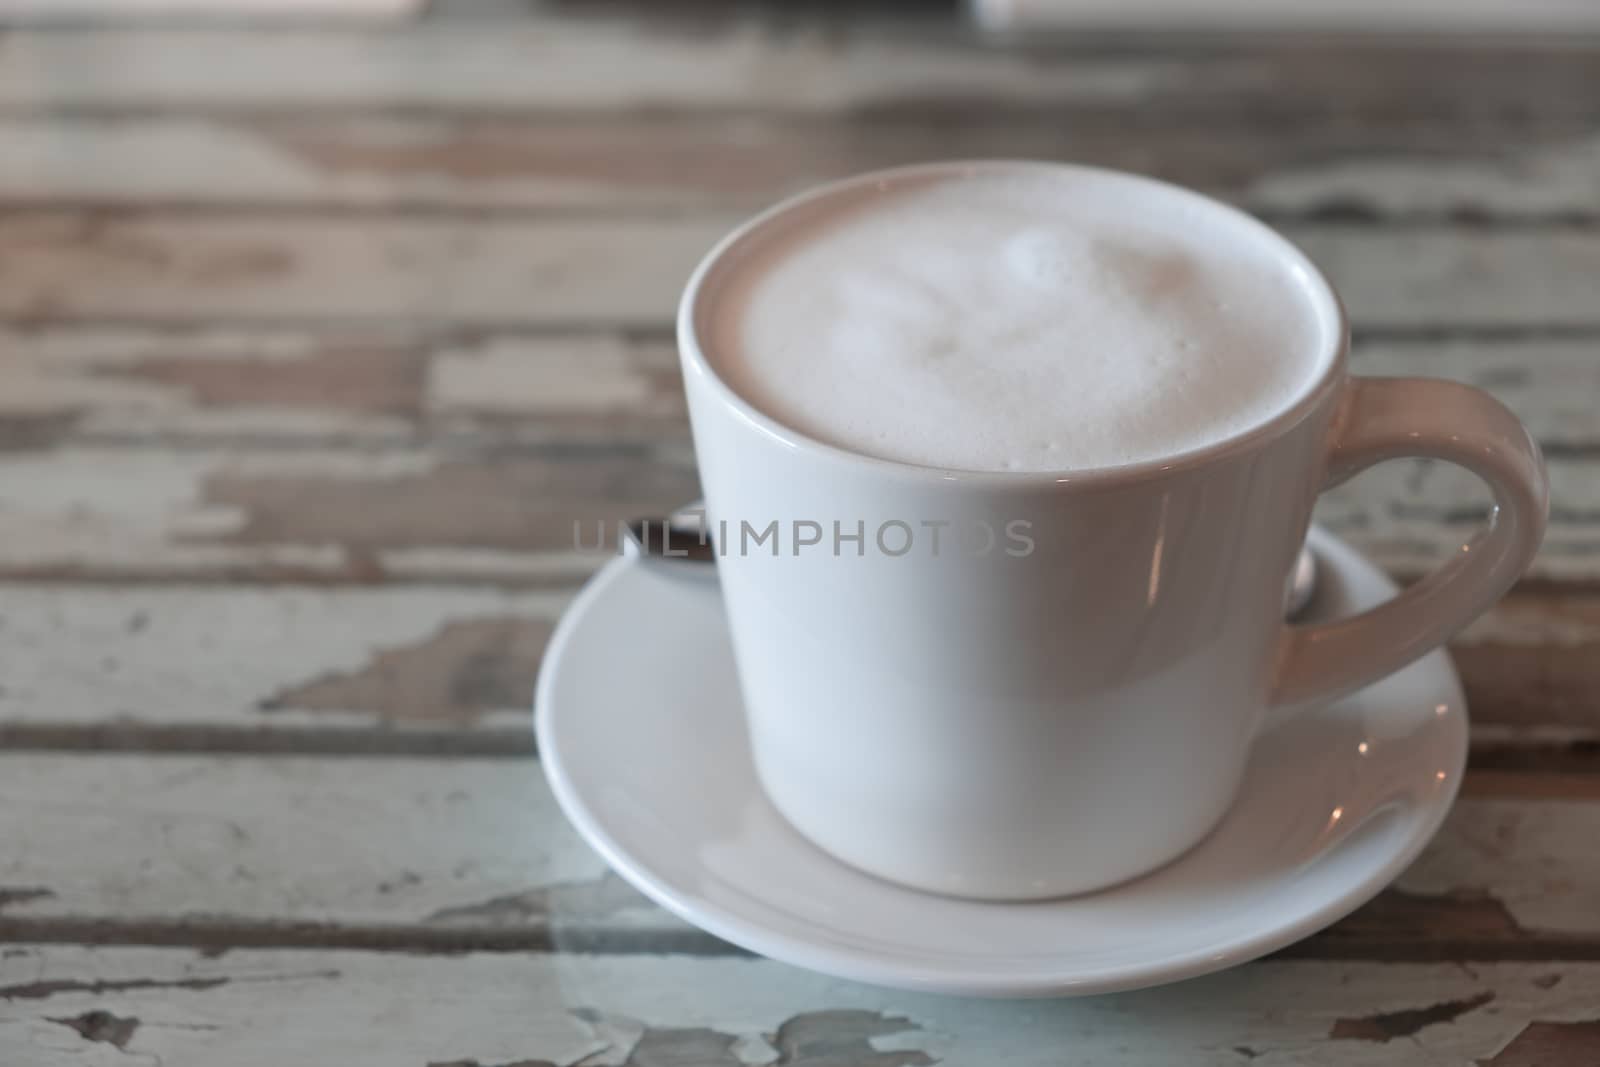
313 343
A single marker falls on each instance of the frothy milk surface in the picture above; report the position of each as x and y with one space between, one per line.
1014 320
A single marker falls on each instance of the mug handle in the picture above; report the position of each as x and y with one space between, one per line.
1388 418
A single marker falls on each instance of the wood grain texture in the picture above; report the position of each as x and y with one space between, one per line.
463 853
442 669
186 269
513 514
376 385
314 343
174 267
1398 168
1411 514
460 454
844 64
362 385
217 663
67 1006
1531 661
326 515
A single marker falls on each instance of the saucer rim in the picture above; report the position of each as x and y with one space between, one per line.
864 965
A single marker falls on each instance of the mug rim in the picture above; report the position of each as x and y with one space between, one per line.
1327 306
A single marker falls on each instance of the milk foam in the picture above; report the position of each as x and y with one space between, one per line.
1022 320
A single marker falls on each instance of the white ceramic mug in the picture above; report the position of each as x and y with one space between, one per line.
1016 724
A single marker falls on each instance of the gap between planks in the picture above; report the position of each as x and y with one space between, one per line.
1499 764
218 936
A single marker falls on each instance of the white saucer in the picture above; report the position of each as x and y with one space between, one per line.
641 735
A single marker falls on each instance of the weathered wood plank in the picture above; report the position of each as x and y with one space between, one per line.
472 421
325 515
439 670
548 64
1410 515
815 63
467 845
75 1006
1520 178
174 267
495 444
474 853
504 413
1403 168
373 385
1532 661
371 1010
297 660
367 386
1547 383
508 514
431 668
